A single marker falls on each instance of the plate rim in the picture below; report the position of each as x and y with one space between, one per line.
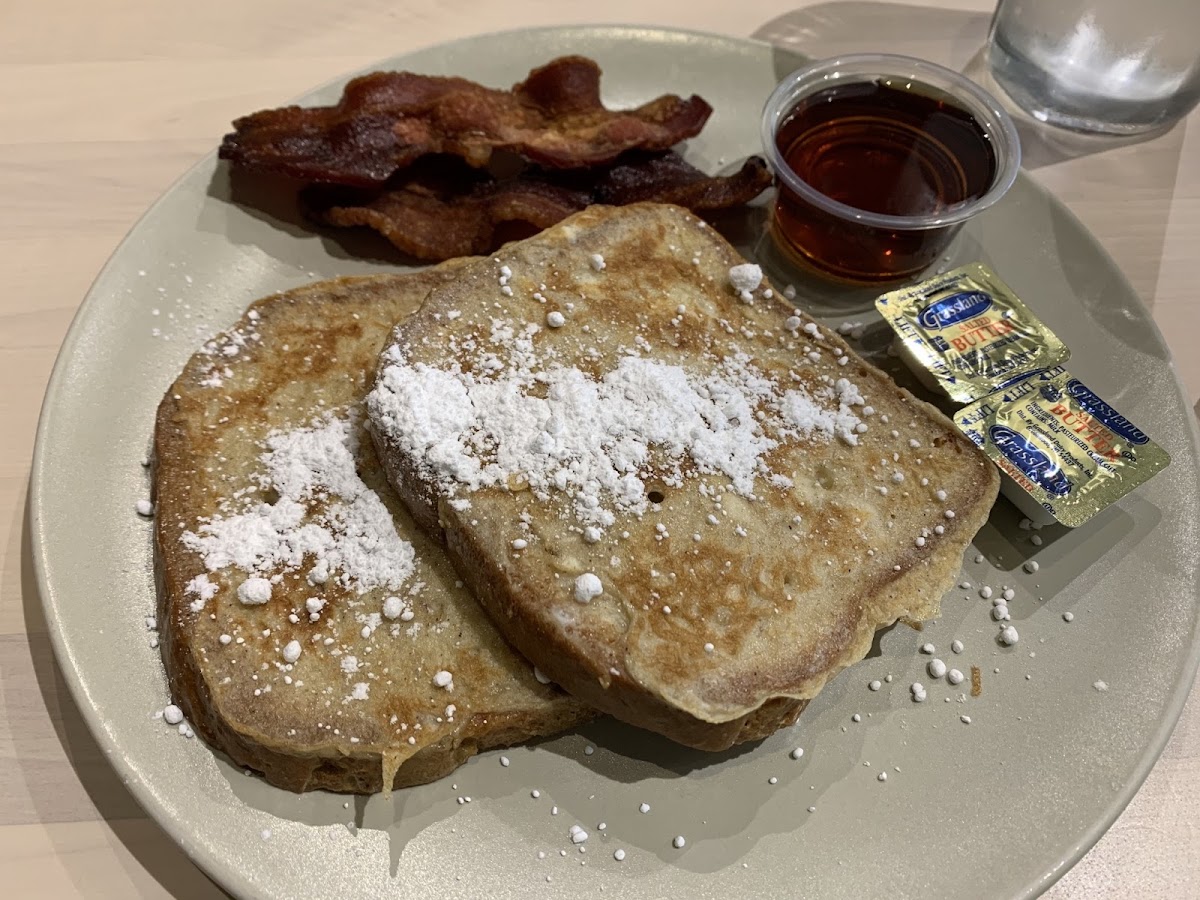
214 867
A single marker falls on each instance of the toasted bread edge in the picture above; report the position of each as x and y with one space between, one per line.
913 595
334 767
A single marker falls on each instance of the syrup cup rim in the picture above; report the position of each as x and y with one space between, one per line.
858 67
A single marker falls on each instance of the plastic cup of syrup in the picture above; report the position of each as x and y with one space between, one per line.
880 159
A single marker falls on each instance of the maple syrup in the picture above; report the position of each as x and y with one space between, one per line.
891 149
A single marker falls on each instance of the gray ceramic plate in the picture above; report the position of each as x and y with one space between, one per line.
999 807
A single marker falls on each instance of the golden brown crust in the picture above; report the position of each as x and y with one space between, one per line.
206 444
617 694
814 569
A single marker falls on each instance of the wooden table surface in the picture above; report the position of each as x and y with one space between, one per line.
105 103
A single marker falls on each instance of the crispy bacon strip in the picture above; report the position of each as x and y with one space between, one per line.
440 209
385 121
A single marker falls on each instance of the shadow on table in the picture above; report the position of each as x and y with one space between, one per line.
949 37
139 835
1119 169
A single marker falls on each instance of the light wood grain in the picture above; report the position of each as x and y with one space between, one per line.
105 104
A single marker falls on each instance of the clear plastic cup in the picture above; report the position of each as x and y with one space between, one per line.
880 159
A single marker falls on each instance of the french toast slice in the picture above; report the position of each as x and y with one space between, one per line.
686 503
304 618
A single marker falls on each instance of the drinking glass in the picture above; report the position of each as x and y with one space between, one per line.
1111 66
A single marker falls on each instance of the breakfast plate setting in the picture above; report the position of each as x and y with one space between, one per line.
524 468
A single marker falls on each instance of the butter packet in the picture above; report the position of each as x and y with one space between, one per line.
1064 454
967 335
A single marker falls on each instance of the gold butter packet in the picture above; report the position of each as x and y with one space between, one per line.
1064 453
966 334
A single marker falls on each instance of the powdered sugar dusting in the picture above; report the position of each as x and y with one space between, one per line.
350 533
599 439
204 590
227 346
830 412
